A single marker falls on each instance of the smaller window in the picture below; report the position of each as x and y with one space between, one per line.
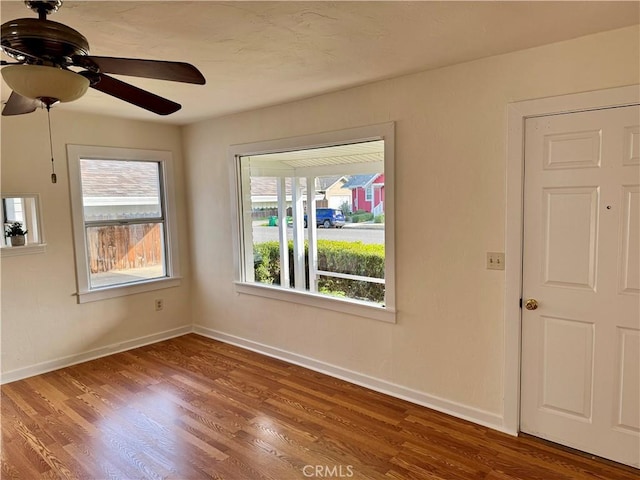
21 212
123 221
121 228
368 193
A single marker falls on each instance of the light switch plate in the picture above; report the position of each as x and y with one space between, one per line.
495 260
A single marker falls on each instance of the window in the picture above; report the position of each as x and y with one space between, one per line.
122 222
25 210
293 247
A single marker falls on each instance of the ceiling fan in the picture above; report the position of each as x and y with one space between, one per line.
44 52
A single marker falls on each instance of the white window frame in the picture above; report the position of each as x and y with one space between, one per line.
385 131
172 278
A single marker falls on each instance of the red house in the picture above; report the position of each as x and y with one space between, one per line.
367 192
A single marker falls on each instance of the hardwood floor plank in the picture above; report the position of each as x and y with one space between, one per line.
8 471
454 467
194 408
33 441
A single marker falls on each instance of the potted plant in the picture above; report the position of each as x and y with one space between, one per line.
16 233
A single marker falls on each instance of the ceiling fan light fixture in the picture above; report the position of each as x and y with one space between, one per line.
38 82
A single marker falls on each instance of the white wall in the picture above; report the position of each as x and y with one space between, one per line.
450 210
42 324
450 177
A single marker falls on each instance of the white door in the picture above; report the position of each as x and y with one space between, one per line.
581 263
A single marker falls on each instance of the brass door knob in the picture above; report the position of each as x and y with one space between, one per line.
531 304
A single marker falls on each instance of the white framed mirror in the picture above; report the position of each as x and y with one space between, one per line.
23 208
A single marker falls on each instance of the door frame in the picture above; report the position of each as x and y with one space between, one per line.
517 113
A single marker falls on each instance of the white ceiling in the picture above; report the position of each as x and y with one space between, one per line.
255 54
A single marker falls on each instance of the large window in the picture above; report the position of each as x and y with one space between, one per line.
122 231
302 236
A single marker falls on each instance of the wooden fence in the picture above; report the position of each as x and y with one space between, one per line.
124 247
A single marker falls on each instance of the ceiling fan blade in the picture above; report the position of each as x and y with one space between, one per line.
20 56
129 93
18 105
158 69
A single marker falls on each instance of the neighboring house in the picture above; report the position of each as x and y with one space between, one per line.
122 190
334 191
367 192
264 193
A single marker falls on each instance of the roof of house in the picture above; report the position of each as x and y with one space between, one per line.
324 183
357 181
115 178
266 186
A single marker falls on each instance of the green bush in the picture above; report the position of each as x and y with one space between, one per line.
361 217
266 262
354 258
378 219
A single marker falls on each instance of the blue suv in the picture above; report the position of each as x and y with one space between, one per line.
328 217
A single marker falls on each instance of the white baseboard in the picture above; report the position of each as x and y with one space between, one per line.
465 412
69 360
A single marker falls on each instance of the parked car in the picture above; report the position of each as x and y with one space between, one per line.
328 217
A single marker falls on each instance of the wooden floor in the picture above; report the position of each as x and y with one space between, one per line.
194 408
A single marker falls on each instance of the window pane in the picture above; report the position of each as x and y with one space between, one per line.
349 201
264 227
13 210
120 190
264 222
266 262
125 253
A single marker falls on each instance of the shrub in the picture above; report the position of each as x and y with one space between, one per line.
345 207
355 258
266 262
361 217
378 219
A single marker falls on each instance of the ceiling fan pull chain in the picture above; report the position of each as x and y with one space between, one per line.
54 178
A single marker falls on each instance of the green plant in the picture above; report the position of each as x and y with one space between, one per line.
361 216
378 218
356 258
345 207
14 230
266 259
325 290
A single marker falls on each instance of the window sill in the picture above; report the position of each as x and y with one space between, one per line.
131 289
25 250
351 307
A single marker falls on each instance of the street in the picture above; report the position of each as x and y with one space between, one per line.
348 233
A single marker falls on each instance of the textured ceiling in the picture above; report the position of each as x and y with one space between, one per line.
255 54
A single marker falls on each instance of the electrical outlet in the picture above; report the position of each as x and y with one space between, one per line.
495 261
159 304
